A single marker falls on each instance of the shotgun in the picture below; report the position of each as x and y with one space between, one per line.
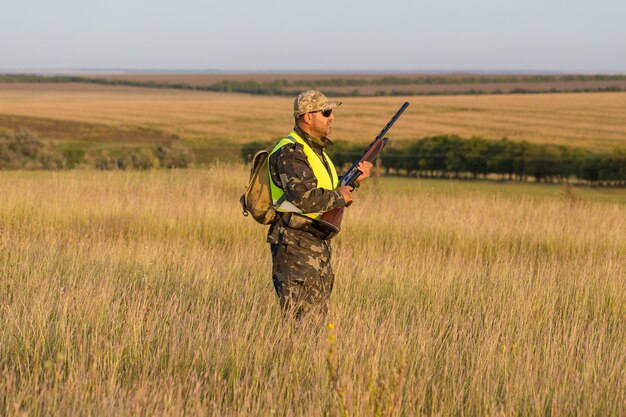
331 220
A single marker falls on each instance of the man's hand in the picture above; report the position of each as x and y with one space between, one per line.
346 193
365 167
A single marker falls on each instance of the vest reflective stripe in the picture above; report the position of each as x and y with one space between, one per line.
326 180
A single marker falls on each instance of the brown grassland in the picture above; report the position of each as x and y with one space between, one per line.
591 120
148 293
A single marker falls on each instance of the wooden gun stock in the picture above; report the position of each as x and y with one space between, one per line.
331 221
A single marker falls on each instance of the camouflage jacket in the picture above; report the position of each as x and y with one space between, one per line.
290 170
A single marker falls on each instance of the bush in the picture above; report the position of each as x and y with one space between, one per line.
144 159
174 156
24 150
101 159
122 159
136 159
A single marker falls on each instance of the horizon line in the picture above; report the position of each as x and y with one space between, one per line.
201 71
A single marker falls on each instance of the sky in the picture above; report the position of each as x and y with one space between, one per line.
318 35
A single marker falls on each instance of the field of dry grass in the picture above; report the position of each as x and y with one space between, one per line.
592 120
148 293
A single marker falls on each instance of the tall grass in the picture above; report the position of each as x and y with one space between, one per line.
148 293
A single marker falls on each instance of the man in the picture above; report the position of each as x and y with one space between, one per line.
304 185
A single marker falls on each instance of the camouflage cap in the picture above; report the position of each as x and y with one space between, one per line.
310 101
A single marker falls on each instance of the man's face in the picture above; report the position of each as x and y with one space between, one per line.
321 125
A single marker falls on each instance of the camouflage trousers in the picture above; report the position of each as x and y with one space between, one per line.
302 274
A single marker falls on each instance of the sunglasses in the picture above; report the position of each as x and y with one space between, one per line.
326 113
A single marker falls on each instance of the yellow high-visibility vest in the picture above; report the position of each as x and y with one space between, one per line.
326 180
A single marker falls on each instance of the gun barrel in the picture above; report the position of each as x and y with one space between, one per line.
331 220
373 149
393 120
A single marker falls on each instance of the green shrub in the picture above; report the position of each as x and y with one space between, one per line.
24 150
175 156
134 159
144 158
101 159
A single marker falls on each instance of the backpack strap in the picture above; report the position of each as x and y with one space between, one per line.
283 197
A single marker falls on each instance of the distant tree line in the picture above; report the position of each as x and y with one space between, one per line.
450 156
284 87
25 151
337 81
443 80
